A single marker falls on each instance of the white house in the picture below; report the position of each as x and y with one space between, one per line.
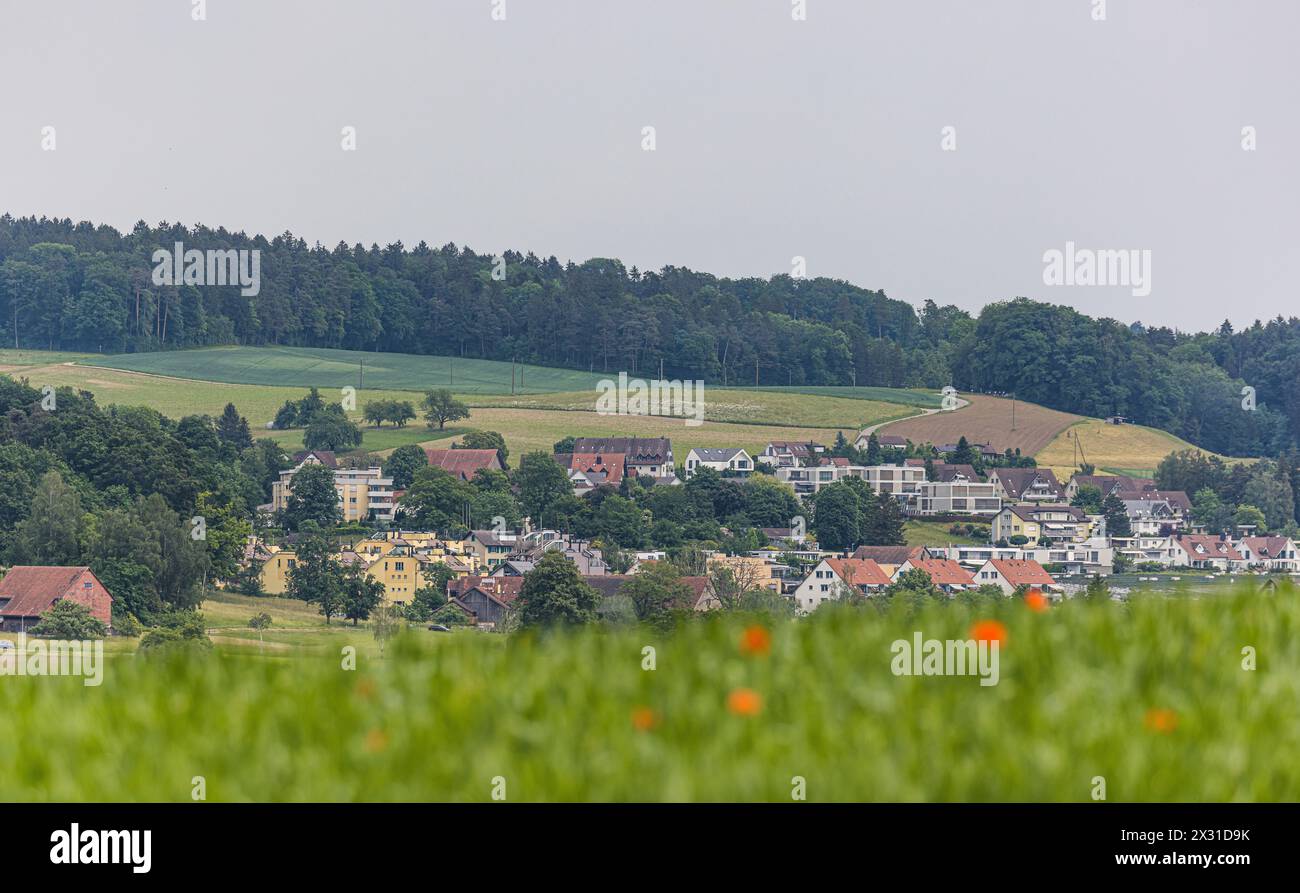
723 459
1207 552
833 576
1272 553
1009 574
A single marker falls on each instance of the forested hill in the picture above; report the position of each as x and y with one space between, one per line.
80 286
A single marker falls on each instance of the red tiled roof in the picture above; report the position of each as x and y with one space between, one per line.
1266 546
32 589
859 571
1213 547
944 571
463 463
611 464
1022 573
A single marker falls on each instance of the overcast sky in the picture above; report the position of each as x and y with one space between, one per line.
773 137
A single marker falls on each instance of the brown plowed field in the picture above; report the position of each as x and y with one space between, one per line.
987 420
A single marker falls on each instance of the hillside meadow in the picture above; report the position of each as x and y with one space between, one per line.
745 418
257 381
328 368
1133 450
1151 695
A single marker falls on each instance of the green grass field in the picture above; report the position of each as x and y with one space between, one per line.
935 533
906 396
325 368
1151 695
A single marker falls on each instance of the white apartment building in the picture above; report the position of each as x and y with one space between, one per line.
957 497
900 481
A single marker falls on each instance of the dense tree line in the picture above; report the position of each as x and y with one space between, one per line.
66 285
153 506
1264 495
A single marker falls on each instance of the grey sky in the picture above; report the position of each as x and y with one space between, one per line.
775 138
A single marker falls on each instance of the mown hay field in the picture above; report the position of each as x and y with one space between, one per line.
1133 450
1151 695
987 420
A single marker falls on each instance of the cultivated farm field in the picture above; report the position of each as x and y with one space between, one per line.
332 369
987 420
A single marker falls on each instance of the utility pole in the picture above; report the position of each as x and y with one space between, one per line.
361 373
1013 412
512 376
451 371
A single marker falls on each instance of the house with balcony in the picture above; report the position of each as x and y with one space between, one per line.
364 493
1014 485
1270 553
1058 523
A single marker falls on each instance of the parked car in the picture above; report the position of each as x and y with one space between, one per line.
6 645
439 628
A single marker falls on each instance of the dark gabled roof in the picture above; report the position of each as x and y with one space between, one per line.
1031 510
1017 480
325 457
639 450
1177 499
945 472
889 554
502 590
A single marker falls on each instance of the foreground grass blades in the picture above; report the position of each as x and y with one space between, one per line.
1150 695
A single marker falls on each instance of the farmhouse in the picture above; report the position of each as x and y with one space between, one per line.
28 591
464 464
486 599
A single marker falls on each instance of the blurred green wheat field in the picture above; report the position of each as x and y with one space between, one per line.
573 716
